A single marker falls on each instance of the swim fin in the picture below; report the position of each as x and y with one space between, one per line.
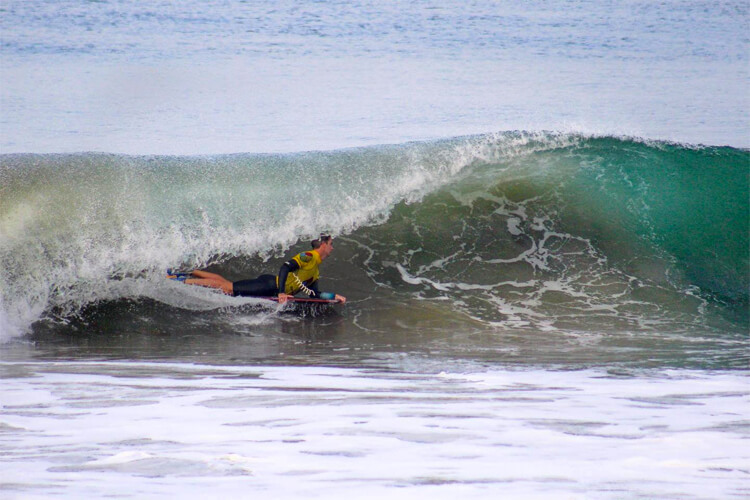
172 275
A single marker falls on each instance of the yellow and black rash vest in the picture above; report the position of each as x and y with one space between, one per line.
307 273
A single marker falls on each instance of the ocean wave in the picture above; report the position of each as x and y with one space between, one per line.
540 229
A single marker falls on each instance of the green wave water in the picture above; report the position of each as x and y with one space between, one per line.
549 232
690 203
601 234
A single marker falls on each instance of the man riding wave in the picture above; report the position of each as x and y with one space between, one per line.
299 274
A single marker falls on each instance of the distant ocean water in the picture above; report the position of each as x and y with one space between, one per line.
540 213
237 77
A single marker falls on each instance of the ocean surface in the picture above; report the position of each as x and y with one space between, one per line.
541 215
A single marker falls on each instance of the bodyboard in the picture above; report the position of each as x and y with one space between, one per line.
302 300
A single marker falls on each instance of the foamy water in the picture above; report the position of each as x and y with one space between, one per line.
153 430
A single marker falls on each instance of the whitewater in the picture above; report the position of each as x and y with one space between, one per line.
540 216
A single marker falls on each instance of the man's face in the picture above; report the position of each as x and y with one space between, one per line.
325 249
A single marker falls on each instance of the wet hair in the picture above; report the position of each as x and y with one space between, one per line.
323 238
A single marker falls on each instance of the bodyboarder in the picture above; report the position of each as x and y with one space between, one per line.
298 274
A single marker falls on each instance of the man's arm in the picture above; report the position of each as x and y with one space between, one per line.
317 294
287 267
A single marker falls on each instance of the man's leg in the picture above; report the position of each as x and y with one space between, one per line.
211 280
262 286
207 276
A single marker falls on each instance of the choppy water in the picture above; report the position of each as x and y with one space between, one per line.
547 268
317 432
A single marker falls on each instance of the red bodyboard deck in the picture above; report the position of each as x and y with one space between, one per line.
303 300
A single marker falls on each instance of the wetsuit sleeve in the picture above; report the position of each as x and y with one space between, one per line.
317 294
286 268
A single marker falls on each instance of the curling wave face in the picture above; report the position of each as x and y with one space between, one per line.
513 230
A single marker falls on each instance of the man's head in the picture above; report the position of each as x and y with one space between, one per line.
324 245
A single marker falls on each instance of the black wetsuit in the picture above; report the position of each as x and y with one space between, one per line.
265 285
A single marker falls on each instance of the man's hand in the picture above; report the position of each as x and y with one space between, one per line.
284 297
341 298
